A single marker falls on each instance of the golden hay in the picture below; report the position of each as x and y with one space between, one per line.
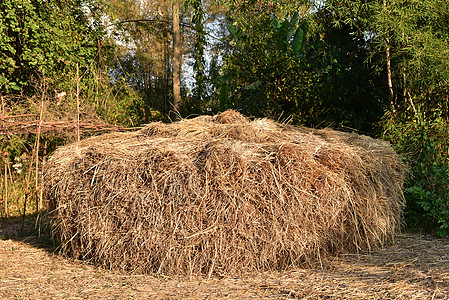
221 195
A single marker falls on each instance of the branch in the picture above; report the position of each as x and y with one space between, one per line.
182 24
156 20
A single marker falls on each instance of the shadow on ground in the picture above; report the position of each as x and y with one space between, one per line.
32 229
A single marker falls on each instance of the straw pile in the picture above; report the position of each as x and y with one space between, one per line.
222 194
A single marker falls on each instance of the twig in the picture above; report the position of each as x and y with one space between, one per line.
23 126
6 187
28 178
77 103
36 176
14 191
18 116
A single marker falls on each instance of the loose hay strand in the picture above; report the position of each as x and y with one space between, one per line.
272 196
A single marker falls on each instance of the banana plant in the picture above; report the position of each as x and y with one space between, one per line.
286 29
288 35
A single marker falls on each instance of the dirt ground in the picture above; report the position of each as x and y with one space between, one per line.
414 267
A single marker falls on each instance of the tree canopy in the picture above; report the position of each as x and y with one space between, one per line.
46 37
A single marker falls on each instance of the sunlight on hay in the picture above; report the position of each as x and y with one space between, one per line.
221 195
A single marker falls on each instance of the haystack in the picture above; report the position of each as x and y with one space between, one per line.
222 194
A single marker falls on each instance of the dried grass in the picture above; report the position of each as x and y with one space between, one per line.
416 267
222 195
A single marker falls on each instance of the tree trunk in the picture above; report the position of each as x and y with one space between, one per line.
388 56
390 82
176 62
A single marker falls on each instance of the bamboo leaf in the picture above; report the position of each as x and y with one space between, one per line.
276 24
298 40
282 32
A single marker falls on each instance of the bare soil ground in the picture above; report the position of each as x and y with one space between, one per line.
414 267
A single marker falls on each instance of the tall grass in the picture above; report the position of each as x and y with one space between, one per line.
25 145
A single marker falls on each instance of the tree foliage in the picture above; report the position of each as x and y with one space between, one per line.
417 32
304 67
419 37
44 37
265 73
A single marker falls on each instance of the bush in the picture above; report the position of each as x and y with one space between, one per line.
422 138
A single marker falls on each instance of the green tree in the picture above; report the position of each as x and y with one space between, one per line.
417 32
264 72
327 82
148 59
409 41
352 93
46 37
198 14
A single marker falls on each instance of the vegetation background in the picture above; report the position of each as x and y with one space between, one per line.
379 68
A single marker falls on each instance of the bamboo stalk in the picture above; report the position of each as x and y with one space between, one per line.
77 103
389 76
41 192
6 187
27 190
38 135
176 62
14 191
3 191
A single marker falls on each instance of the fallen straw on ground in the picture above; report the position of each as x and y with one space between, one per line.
221 195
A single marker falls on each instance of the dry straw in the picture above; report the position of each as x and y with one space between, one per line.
221 195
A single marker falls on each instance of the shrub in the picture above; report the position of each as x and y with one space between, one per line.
422 138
